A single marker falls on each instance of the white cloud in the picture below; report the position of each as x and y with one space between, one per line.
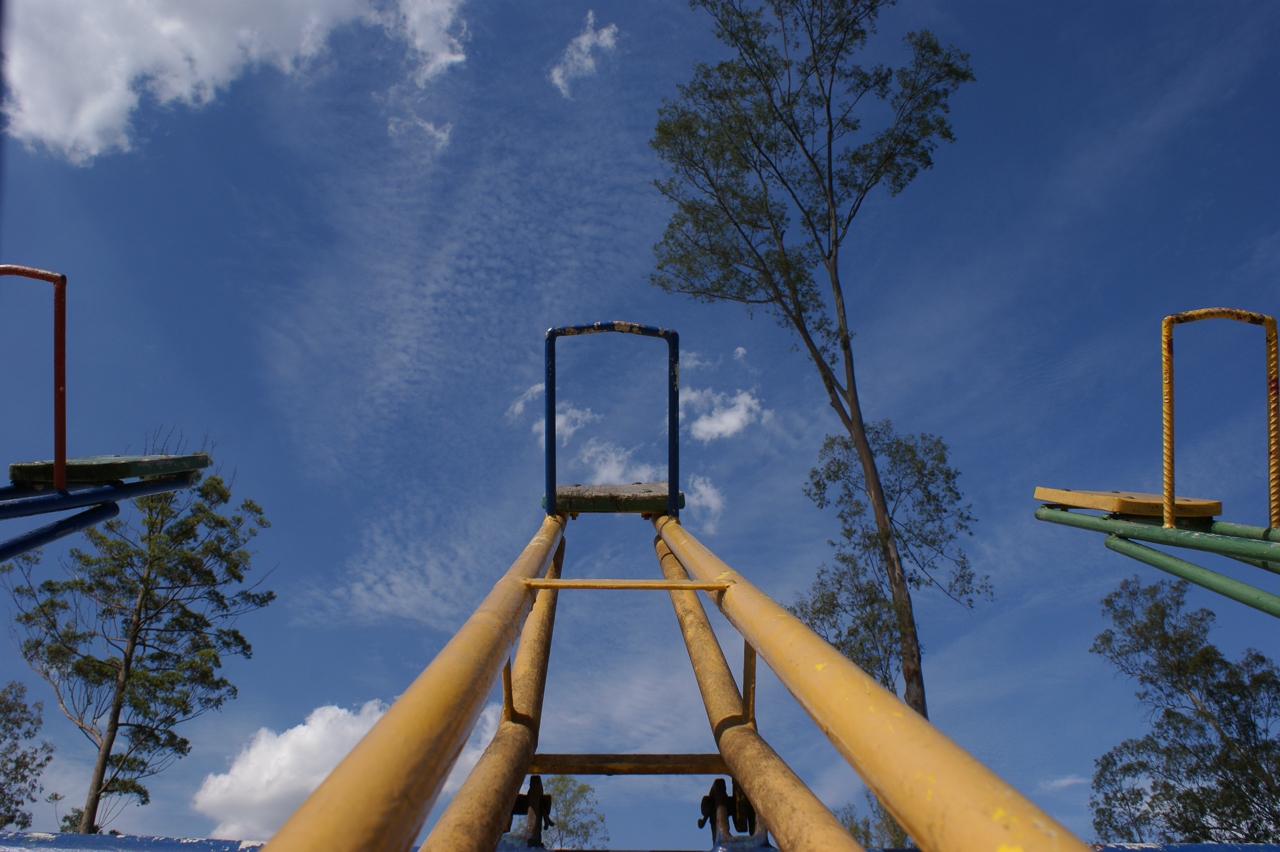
1061 783
517 407
568 421
274 773
76 70
577 60
740 353
701 495
693 361
405 568
612 465
415 131
722 415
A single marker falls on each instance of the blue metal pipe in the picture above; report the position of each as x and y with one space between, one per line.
673 402
59 529
57 501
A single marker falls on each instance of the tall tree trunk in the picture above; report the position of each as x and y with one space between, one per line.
912 672
90 815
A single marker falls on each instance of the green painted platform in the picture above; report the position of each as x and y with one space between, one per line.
107 468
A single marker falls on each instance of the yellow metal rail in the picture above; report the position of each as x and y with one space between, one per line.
481 809
1273 402
380 795
945 799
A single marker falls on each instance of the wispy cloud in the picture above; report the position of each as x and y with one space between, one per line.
1058 784
77 70
721 415
578 60
568 421
517 407
409 568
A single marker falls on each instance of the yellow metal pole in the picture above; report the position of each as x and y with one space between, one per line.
379 796
945 799
788 808
481 809
1273 401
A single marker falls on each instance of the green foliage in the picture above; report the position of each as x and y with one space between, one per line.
775 134
851 604
21 761
1208 771
577 822
131 636
878 829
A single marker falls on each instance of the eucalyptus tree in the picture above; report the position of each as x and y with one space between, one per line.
1208 771
769 165
21 758
131 633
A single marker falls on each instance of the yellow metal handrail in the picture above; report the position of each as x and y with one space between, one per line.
942 796
379 796
1273 402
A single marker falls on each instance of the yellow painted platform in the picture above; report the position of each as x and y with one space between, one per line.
1129 502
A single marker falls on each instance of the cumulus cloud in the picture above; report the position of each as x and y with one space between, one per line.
740 353
76 70
578 60
274 773
568 421
701 495
719 415
610 464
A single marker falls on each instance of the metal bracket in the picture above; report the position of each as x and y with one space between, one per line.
535 807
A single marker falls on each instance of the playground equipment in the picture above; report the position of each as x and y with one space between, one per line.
96 481
1187 522
381 794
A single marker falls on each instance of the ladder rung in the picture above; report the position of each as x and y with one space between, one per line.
670 585
628 764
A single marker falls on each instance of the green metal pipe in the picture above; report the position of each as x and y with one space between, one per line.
1211 580
1193 539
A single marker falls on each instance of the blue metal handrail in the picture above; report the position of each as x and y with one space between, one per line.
673 401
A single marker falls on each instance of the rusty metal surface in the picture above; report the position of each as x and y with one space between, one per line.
788 808
379 796
1273 402
59 282
942 796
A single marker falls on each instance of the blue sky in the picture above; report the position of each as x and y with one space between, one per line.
331 234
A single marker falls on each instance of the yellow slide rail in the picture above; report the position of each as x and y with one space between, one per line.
379 797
